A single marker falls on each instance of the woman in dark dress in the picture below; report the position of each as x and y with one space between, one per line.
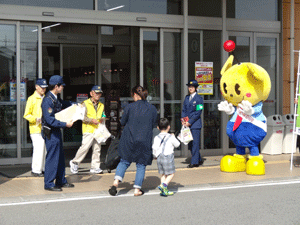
139 119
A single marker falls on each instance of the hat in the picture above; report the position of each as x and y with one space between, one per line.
42 83
56 79
193 83
97 89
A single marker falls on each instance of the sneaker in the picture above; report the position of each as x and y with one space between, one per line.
96 171
73 167
164 191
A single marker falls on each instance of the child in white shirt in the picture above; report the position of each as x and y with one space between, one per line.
163 150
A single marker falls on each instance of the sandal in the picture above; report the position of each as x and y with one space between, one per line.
141 192
113 191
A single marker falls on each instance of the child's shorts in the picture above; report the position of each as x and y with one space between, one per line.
165 164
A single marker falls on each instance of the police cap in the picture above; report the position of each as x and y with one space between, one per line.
56 79
193 83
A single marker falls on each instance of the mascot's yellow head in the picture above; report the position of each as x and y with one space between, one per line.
245 81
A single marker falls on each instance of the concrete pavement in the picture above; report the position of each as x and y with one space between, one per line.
17 184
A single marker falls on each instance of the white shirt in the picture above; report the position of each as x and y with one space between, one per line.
169 145
192 96
54 95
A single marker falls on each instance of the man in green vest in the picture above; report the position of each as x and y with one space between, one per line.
94 114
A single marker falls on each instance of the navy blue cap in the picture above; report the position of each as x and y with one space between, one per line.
97 89
41 82
193 83
56 79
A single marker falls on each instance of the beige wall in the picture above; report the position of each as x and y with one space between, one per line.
286 9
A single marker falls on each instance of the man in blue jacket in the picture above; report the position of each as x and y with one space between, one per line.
55 159
192 109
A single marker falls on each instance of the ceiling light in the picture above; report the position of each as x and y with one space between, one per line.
118 7
54 25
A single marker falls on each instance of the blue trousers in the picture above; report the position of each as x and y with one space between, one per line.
194 146
139 176
55 161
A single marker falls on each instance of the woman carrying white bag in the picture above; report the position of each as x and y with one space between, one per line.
191 118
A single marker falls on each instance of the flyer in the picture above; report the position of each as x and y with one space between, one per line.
204 77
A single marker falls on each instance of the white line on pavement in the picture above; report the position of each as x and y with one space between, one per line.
223 187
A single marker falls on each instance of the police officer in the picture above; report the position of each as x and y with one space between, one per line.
191 110
55 159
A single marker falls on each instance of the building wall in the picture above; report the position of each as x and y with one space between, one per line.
286 22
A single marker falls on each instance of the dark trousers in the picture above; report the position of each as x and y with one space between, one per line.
55 161
194 146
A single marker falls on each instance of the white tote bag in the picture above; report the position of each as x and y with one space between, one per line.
101 134
185 135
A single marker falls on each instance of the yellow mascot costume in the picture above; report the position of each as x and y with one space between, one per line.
244 87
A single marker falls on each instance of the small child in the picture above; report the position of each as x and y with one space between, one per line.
163 150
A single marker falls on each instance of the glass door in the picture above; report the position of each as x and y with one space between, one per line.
8 91
29 70
260 48
160 72
204 46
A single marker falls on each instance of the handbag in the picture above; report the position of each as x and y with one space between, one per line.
185 135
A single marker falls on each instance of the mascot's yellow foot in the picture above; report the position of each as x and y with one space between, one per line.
255 165
232 164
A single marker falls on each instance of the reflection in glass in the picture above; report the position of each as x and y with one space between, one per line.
173 7
172 74
29 74
51 57
152 65
208 8
78 4
194 53
242 49
266 53
253 10
211 126
8 88
211 53
79 77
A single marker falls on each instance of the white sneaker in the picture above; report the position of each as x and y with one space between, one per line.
73 167
97 171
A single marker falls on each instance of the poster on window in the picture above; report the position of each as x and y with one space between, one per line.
204 77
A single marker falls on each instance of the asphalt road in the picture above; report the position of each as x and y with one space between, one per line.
252 203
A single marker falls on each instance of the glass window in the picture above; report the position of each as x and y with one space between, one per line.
142 6
252 10
69 28
209 8
78 4
8 92
266 53
29 74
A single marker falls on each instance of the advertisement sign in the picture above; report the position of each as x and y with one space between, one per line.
81 97
204 77
13 90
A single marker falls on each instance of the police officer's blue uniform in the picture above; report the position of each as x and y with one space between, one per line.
193 109
55 160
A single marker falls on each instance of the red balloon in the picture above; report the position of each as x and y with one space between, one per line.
229 46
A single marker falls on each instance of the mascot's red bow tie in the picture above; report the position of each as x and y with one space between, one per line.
237 122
